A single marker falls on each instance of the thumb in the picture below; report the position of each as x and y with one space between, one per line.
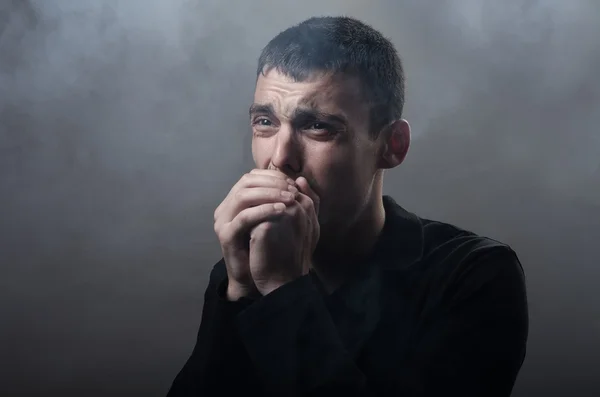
305 188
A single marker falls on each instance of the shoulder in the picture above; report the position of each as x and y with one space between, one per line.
442 240
430 246
463 272
456 256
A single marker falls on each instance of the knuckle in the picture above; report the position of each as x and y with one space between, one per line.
243 218
220 235
235 222
246 177
225 235
244 180
219 210
265 210
263 227
266 226
239 195
258 231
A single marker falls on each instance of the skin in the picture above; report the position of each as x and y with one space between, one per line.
311 139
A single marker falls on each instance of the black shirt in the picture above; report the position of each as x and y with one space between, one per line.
436 311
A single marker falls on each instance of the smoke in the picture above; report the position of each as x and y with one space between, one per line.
124 123
518 76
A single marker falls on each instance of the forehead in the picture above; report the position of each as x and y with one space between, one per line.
327 92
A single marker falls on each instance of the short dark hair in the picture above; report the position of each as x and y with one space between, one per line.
342 45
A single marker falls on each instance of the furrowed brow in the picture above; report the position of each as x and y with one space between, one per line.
310 113
257 108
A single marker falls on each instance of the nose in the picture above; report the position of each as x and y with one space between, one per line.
287 152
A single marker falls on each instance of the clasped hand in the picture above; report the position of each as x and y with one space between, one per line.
268 230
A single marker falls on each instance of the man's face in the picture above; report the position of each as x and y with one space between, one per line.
318 129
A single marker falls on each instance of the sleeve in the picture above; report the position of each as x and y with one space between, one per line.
286 343
473 346
295 346
219 364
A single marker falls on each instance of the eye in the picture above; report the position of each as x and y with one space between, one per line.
320 127
263 122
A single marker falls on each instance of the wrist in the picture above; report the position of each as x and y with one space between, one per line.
237 291
268 287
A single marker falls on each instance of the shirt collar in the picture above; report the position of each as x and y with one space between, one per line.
356 306
401 241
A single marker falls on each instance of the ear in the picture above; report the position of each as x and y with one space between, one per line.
395 143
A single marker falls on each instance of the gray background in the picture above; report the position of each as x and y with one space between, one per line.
123 125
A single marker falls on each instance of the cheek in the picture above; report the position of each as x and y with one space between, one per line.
346 169
343 183
260 152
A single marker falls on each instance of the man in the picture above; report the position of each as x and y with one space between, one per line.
327 287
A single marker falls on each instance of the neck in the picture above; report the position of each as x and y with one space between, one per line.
345 248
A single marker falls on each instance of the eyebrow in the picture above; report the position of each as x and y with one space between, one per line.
304 113
301 113
257 108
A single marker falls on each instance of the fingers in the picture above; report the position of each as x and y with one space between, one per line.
253 179
255 196
230 206
249 218
273 173
310 204
266 187
305 188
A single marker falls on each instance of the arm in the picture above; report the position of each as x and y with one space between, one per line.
218 364
295 346
476 343
473 347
